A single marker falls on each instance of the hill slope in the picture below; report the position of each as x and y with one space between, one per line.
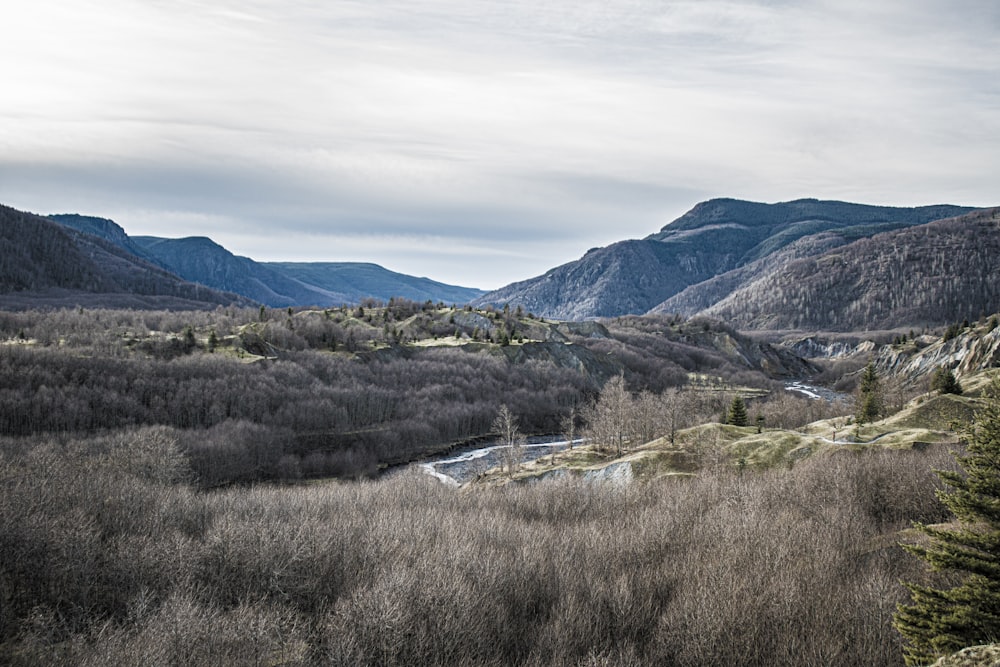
714 237
103 228
932 274
204 261
278 284
45 263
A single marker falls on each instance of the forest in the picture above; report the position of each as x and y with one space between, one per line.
259 394
207 487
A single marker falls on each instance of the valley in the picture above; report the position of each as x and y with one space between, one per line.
414 481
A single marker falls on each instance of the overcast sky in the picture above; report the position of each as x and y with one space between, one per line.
479 142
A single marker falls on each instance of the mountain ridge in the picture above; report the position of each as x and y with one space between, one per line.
714 237
44 262
201 260
931 274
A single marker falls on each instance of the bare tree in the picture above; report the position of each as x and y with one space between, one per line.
568 425
510 439
610 418
676 407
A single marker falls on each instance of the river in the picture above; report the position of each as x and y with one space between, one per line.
816 393
456 469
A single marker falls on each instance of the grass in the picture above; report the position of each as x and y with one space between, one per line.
927 420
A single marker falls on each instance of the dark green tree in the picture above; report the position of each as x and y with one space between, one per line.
869 400
189 340
942 621
737 412
944 381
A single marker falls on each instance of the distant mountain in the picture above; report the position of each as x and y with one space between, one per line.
933 274
204 261
351 282
278 284
713 238
45 263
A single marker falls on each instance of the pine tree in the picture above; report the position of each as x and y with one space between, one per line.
942 621
944 381
869 401
737 412
189 340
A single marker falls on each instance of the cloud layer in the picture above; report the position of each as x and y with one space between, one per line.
480 142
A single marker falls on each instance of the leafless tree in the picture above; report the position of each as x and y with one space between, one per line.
510 438
611 417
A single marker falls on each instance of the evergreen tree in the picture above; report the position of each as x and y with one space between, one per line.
944 381
942 621
869 401
189 340
737 412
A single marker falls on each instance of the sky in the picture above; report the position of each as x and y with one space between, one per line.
480 142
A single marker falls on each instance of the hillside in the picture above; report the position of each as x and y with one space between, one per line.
703 295
932 274
202 260
103 228
713 238
44 263
277 284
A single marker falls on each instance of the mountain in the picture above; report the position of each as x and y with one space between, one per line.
103 228
711 239
202 260
277 284
938 273
46 263
351 282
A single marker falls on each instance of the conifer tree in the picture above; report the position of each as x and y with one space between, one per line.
944 381
737 412
869 399
942 621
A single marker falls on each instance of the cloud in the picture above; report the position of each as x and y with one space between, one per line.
460 129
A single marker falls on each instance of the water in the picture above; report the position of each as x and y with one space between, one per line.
815 393
456 469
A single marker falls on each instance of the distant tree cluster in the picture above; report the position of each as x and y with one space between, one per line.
619 420
659 351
